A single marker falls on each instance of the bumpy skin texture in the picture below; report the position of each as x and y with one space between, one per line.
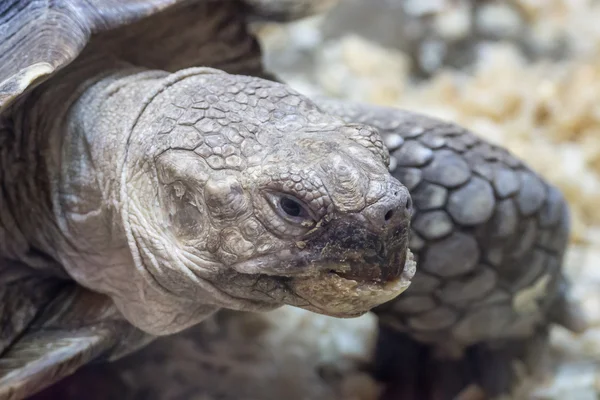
174 195
481 355
488 233
166 197
505 228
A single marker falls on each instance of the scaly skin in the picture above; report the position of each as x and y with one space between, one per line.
67 211
487 232
489 236
421 360
179 194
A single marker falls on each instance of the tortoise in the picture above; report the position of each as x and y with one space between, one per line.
154 172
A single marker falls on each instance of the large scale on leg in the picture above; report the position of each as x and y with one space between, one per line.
489 236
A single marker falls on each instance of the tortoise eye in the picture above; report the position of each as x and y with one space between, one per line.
287 214
291 207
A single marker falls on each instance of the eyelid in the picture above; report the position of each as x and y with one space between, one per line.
275 197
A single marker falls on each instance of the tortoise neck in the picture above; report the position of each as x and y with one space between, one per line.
66 139
95 141
72 137
89 152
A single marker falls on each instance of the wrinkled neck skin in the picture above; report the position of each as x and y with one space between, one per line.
84 141
105 256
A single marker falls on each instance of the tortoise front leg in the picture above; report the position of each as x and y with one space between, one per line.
489 236
411 370
71 326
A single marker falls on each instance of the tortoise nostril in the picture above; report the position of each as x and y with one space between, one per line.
390 212
388 215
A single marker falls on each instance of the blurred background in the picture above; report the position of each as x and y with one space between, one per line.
524 74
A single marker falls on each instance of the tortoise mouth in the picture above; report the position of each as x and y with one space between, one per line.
375 268
351 265
343 271
335 289
340 294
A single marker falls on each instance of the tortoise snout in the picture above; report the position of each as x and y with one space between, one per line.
391 211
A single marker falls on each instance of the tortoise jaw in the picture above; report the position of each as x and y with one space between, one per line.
344 271
375 269
337 294
335 289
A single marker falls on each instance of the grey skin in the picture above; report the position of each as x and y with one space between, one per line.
151 176
140 196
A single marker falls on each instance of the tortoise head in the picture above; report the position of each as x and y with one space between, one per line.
258 194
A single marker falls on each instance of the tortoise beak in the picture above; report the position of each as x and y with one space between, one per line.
337 295
359 265
370 245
